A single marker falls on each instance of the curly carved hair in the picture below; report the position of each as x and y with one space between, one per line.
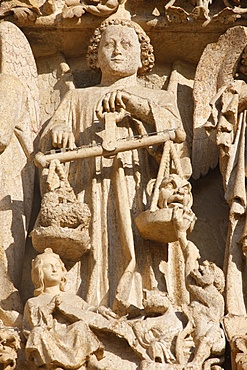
37 271
147 56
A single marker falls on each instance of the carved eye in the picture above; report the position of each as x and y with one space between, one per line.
109 44
125 44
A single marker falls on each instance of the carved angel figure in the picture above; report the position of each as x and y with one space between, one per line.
115 187
55 338
222 114
19 121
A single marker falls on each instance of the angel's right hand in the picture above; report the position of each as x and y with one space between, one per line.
62 137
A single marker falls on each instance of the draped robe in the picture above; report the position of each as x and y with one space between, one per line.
120 263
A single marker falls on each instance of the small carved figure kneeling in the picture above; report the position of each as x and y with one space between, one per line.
56 338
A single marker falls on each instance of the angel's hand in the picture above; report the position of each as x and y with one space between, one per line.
113 102
62 137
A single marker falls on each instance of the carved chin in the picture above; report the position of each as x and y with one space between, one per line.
120 69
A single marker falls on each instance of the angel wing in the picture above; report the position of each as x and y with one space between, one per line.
17 60
55 79
215 72
181 86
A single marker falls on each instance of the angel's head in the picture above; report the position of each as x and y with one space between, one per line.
48 270
122 46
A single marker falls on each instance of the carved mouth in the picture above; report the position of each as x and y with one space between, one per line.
117 60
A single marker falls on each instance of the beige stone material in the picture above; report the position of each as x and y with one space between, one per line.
53 339
224 118
108 185
19 124
63 221
140 187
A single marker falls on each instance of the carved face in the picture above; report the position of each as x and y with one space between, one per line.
52 271
206 272
119 51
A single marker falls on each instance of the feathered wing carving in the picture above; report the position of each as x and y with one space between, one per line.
181 86
19 103
215 73
17 60
55 79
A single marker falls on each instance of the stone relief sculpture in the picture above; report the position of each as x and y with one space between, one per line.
205 312
55 79
63 221
224 119
32 9
24 10
59 325
10 344
127 218
54 339
19 106
76 8
202 11
118 217
19 126
118 102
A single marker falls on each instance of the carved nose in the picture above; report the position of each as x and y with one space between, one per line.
117 50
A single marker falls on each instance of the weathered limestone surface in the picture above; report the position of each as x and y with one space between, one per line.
123 185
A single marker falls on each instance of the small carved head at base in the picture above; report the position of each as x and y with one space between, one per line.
48 268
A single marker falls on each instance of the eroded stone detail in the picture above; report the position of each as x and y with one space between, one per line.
63 221
118 208
184 334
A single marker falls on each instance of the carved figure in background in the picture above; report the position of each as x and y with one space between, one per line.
19 121
103 8
221 111
202 3
30 9
158 334
198 10
115 188
205 312
9 345
54 337
190 335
